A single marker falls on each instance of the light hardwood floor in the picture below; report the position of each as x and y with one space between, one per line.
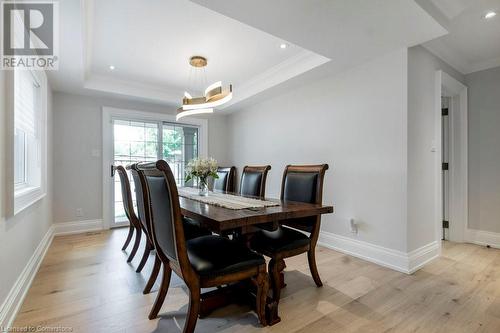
85 283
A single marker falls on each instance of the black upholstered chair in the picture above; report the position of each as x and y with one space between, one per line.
202 262
225 182
253 180
191 227
135 224
301 184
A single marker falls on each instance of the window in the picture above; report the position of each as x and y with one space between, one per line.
180 145
148 141
29 137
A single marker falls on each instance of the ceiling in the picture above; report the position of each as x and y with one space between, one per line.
473 43
150 42
347 31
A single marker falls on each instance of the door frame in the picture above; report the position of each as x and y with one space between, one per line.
110 113
446 85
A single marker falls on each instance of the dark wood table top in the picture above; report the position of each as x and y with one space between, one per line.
220 219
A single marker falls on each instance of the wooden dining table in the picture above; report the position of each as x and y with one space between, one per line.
241 223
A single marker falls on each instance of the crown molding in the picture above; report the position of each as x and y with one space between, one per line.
458 62
435 13
300 63
102 83
291 67
451 57
483 65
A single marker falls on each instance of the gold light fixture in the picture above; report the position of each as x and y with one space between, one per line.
215 95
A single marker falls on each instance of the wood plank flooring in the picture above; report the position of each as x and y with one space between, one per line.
85 284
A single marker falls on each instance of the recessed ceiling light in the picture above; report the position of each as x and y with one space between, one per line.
490 15
283 45
111 67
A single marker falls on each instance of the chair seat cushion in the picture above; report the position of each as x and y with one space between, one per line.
279 240
215 255
192 229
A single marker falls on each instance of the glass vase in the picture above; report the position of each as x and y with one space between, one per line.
203 188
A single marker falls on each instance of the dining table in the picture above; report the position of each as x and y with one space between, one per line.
241 222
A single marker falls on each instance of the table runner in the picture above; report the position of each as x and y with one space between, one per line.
224 200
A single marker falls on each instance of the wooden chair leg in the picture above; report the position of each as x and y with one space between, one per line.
275 278
145 256
137 242
162 292
194 309
311 256
129 236
261 299
154 275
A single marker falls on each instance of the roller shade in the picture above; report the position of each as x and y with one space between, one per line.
25 101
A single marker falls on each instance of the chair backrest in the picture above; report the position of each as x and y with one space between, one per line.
128 204
139 198
164 213
253 180
225 182
303 183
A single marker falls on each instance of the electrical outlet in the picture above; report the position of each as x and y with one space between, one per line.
79 212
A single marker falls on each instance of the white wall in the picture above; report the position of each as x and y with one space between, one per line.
484 150
422 67
20 235
77 131
355 122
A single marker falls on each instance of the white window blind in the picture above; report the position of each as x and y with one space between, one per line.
26 100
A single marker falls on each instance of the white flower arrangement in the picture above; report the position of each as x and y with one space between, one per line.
201 168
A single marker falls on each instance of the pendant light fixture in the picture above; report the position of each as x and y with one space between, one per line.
214 95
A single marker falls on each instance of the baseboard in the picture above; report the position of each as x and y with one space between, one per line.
18 292
420 257
393 259
485 238
15 298
76 227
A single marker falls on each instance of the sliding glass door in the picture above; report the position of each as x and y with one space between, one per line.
147 141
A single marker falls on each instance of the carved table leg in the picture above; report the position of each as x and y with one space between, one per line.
281 268
272 316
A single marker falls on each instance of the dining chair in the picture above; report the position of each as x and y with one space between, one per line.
253 180
135 224
191 226
301 183
202 262
226 179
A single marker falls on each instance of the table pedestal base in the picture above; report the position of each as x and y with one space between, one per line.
240 293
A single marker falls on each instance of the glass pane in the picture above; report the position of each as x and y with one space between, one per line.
134 141
180 145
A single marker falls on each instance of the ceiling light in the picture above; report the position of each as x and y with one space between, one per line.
215 94
183 113
490 15
283 45
111 67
